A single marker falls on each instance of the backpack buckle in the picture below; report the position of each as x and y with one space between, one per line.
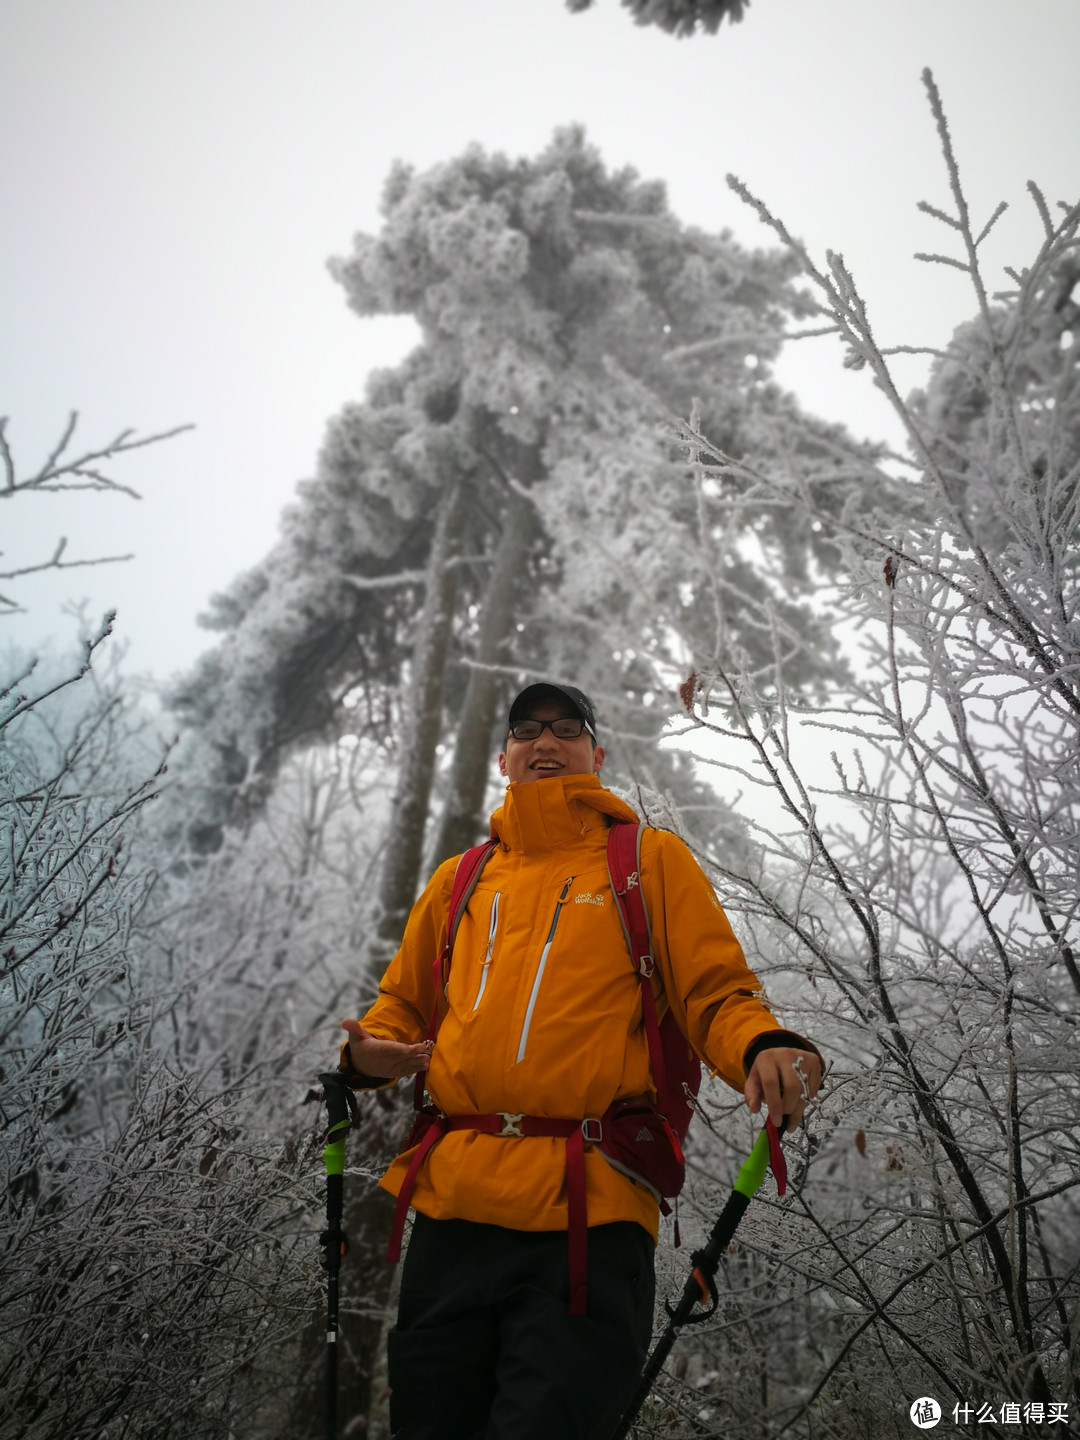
593 1131
646 965
511 1124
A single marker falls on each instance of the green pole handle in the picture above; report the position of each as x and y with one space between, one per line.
753 1169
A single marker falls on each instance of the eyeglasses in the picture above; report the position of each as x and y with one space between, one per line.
566 729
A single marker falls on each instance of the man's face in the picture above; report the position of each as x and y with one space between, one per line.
547 755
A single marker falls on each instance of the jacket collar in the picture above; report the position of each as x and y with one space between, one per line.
542 815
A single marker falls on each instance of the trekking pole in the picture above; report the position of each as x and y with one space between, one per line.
341 1108
701 1286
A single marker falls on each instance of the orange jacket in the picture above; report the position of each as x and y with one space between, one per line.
543 1011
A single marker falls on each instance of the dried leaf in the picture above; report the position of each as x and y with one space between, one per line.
688 689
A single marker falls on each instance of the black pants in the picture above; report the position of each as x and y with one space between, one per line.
485 1347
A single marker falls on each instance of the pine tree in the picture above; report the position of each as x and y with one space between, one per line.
678 17
516 472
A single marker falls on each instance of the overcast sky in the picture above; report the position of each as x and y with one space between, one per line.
175 174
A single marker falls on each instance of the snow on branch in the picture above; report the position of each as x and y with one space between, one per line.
58 474
81 472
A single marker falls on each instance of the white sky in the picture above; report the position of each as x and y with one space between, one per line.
175 174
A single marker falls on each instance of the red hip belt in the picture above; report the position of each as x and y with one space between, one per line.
431 1126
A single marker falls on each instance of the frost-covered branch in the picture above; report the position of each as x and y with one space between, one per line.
60 472
82 472
915 893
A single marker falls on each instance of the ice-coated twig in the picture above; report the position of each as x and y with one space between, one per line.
56 563
80 473
932 259
23 703
56 476
1003 205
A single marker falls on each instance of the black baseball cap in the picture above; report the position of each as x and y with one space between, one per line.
546 690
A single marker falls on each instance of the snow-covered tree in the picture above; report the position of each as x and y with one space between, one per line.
144 1202
149 1190
678 17
482 517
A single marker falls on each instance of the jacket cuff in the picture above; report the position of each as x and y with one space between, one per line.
773 1040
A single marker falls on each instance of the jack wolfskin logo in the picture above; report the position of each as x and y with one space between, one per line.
643 1134
586 899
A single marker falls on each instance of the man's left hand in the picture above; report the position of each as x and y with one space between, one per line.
784 1080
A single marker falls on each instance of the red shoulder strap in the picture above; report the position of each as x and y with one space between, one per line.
465 877
624 872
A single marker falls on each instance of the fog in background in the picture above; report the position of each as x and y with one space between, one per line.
176 176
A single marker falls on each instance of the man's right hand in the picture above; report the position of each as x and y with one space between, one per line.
384 1059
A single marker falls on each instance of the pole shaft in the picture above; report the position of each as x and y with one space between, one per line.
331 1356
334 1205
652 1369
706 1261
339 1104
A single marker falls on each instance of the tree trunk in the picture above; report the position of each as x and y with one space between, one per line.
463 820
423 715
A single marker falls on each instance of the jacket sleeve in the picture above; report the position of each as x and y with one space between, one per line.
715 996
407 990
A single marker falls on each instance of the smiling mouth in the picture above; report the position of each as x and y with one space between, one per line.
551 765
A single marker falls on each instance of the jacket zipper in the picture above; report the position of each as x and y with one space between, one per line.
492 928
540 970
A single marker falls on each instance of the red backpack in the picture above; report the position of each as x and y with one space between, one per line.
641 1139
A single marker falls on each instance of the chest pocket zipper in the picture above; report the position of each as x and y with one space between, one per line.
493 926
540 970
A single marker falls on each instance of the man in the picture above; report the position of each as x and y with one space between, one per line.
542 1017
